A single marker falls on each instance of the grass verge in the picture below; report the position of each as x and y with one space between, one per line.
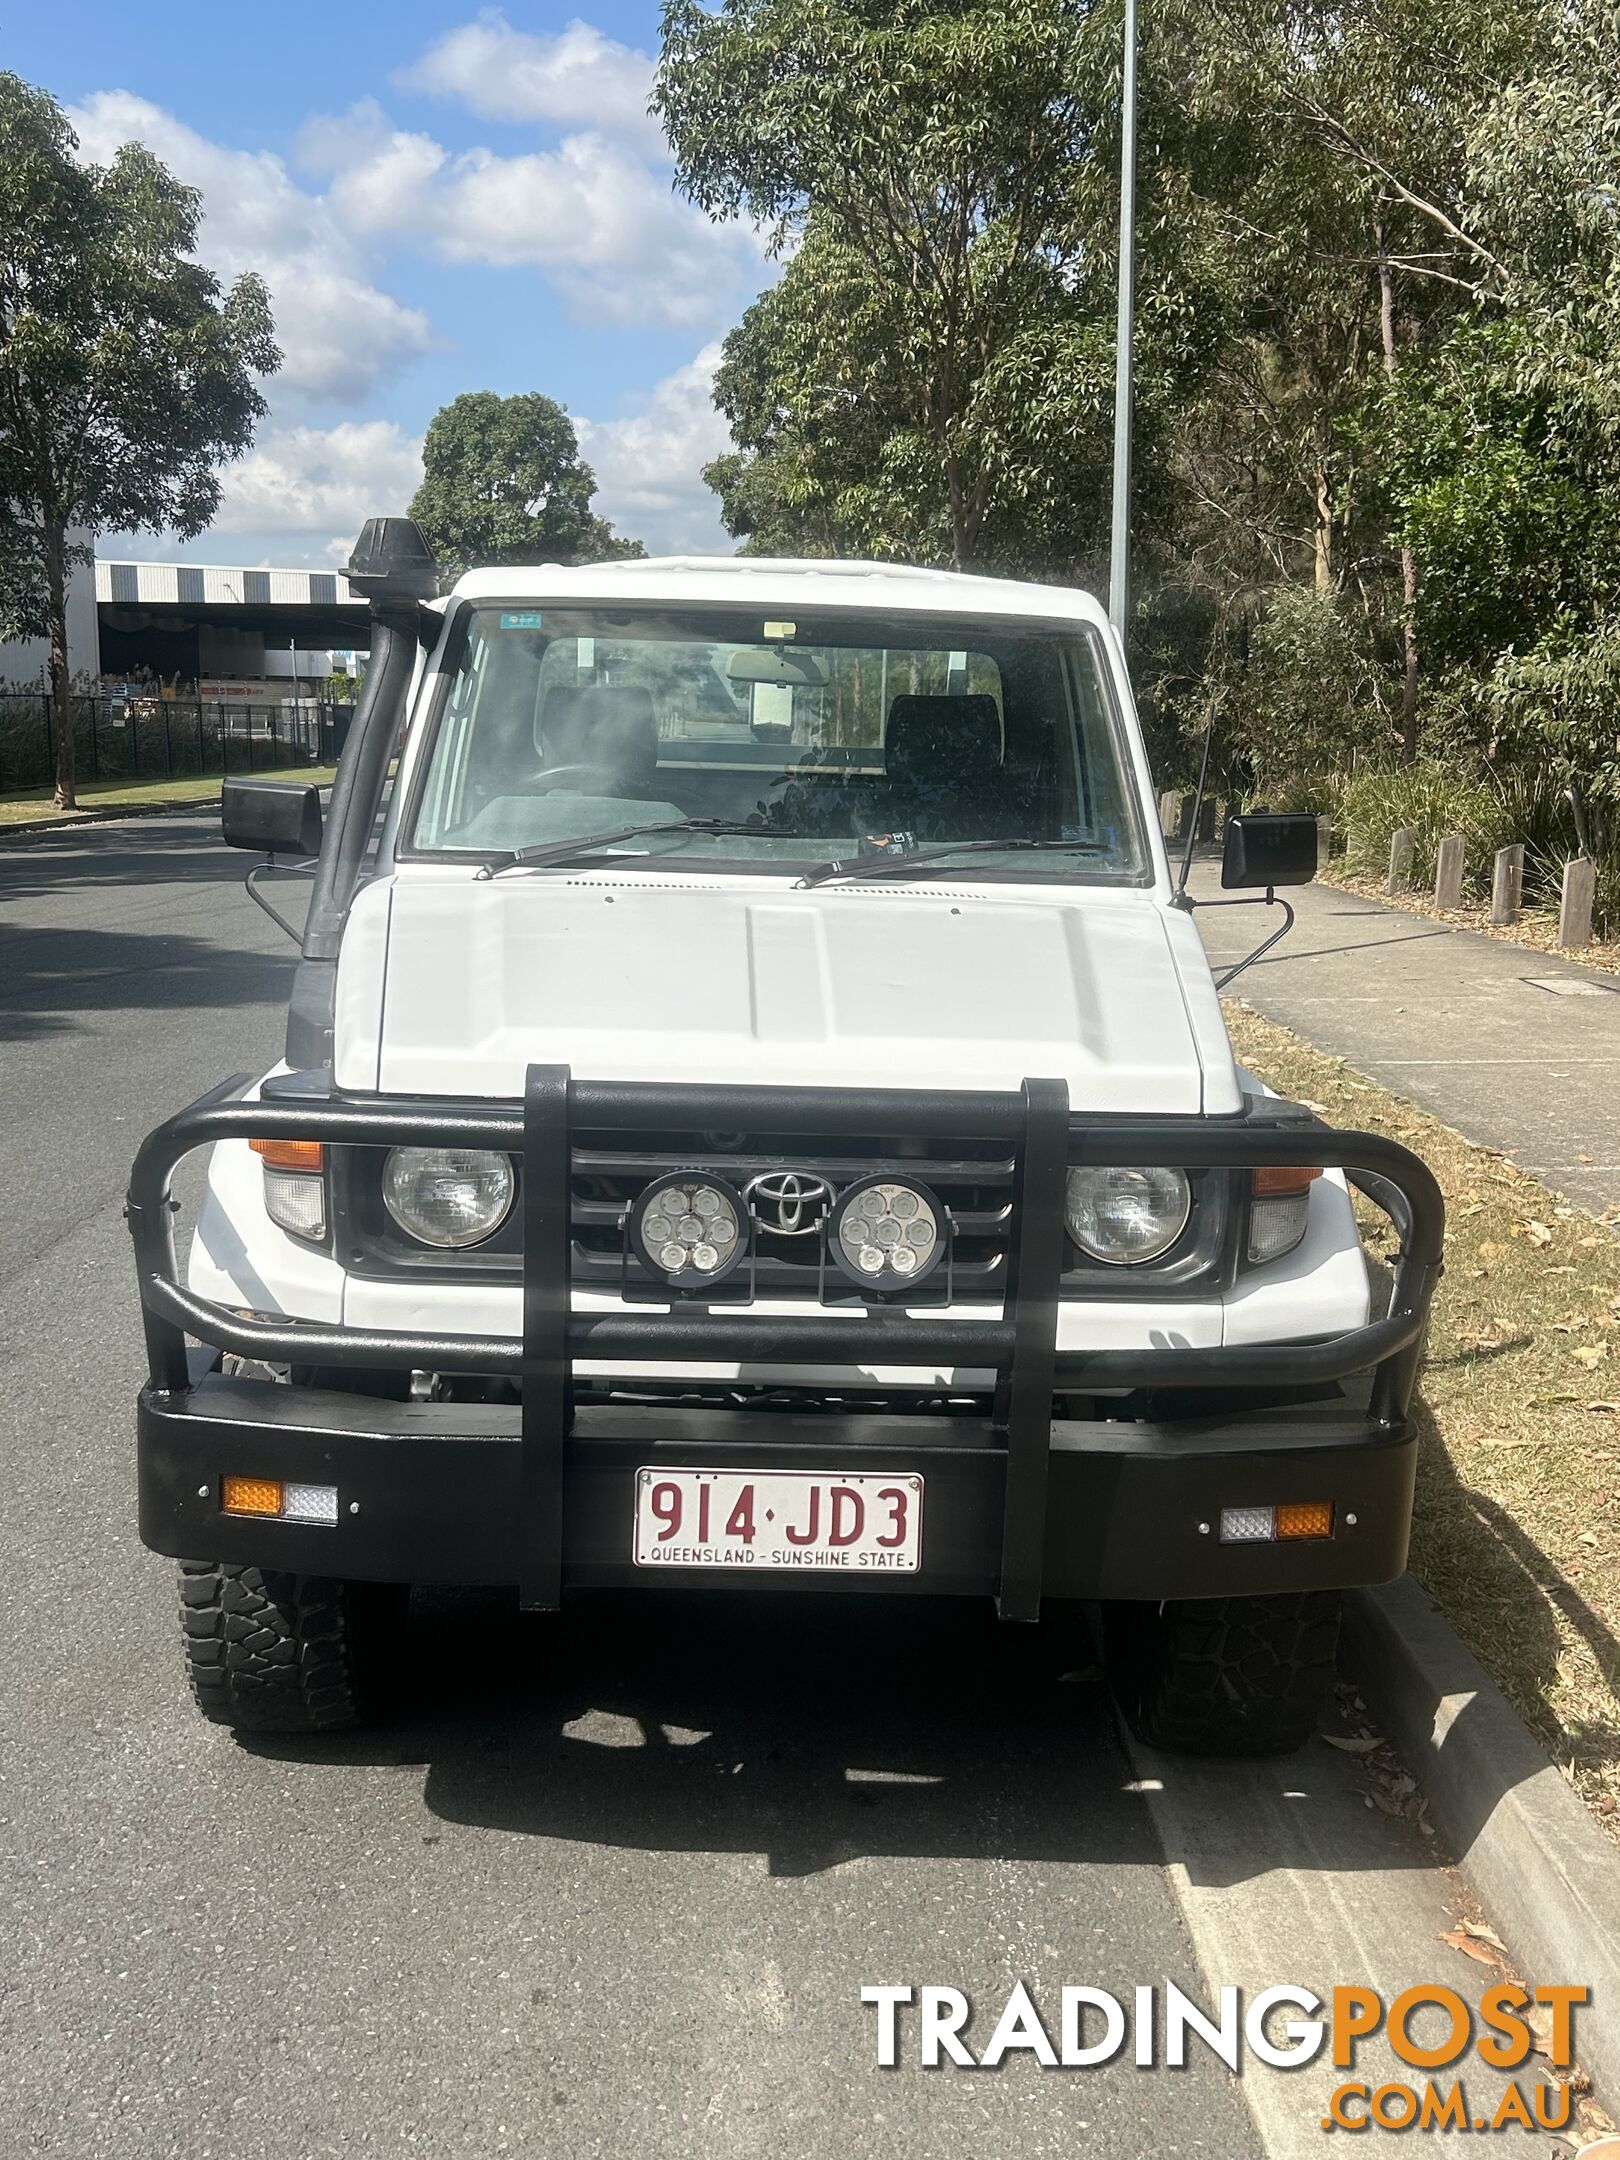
1517 1528
33 806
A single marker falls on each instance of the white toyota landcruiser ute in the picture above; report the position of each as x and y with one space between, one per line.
756 1112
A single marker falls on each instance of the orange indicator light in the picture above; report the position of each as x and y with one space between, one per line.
1279 1181
1305 1519
250 1495
290 1154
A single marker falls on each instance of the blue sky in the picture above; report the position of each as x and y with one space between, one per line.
441 198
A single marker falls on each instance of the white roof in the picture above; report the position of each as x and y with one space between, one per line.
769 582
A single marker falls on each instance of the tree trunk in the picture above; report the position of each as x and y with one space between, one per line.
1409 680
56 629
961 518
1323 533
1409 572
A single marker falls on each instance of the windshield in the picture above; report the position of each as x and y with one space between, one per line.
815 740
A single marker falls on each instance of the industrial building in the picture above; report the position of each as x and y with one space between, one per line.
212 631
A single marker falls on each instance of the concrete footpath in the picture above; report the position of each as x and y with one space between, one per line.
1511 1046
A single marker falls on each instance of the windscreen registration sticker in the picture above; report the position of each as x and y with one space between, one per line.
529 620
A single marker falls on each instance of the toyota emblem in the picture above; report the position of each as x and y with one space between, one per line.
789 1203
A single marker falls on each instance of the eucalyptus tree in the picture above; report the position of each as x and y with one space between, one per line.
932 375
126 376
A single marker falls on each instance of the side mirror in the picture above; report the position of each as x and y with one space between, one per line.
273 817
1267 847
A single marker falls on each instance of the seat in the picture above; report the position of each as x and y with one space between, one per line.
606 734
942 762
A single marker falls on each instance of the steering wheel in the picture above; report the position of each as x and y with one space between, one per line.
579 780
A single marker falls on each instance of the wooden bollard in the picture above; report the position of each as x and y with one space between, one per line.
1575 908
1402 841
1324 838
1507 883
1448 873
1170 814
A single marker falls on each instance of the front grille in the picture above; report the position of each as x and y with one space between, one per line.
974 1182
972 1179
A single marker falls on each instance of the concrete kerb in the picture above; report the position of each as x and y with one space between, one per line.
1521 1837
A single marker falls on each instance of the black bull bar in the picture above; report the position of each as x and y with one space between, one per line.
1020 1346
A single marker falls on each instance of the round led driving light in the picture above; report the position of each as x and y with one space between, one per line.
448 1196
1123 1214
886 1233
688 1228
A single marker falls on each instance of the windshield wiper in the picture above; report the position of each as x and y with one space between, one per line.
583 844
899 865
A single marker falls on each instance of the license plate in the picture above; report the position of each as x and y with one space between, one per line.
795 1521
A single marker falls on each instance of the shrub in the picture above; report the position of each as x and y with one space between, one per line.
1490 811
1307 704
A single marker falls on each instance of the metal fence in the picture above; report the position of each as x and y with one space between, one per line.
122 738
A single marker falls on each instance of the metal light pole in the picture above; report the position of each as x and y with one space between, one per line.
1119 550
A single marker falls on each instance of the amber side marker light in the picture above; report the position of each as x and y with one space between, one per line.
290 1154
280 1498
1271 1181
1293 1521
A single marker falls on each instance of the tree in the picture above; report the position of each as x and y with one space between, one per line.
503 482
126 377
933 374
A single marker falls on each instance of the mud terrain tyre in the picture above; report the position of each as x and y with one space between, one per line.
277 1653
1224 1676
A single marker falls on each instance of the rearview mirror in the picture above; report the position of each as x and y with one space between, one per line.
1269 847
777 664
273 817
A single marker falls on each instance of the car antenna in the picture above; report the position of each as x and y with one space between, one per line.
1196 815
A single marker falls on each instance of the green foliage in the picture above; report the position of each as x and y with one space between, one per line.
126 375
1433 799
1308 710
1490 809
503 482
1377 438
933 375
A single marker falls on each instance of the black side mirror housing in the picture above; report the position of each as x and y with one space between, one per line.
273 817
1269 847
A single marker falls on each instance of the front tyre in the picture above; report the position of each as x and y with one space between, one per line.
1224 1676
276 1653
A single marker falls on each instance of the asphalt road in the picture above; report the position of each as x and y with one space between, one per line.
614 1884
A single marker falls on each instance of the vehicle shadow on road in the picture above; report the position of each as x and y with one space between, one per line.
812 1730
85 857
52 979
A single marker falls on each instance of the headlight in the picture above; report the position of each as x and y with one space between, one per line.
689 1228
447 1196
887 1234
1125 1215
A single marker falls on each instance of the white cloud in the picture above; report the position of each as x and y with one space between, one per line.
320 484
649 465
603 226
340 334
297 500
578 78
302 493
